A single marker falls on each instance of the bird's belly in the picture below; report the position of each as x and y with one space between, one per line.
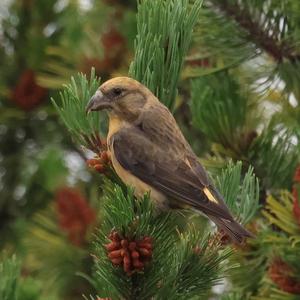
140 187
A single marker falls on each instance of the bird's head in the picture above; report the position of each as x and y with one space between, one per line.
121 96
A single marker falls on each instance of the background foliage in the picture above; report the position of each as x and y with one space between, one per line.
233 86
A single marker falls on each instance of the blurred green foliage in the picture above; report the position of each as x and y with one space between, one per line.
235 93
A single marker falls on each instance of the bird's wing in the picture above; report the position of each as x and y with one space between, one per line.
167 172
160 127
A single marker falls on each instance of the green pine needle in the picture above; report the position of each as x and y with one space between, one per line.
164 34
241 194
197 265
9 275
279 212
218 108
275 157
134 219
84 128
176 270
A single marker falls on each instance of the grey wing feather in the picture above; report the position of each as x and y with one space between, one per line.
170 138
165 171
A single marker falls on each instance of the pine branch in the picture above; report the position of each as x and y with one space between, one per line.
198 269
241 195
252 259
71 109
182 265
164 34
232 32
44 238
264 38
279 212
223 111
9 275
132 220
274 157
229 117
219 44
13 286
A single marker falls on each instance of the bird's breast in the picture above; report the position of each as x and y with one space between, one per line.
140 187
115 124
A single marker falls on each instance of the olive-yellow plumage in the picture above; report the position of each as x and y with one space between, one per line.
149 152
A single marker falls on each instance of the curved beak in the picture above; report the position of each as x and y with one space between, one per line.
97 102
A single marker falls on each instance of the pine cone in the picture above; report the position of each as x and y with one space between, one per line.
75 216
224 238
220 237
100 162
27 94
133 255
297 175
283 276
114 48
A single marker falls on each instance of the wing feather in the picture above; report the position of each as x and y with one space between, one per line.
176 176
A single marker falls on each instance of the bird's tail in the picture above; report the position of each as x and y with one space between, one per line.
235 231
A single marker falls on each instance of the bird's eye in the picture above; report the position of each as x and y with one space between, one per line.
117 91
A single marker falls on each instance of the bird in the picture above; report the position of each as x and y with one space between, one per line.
149 152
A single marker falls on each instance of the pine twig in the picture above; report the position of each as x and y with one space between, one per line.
9 274
164 31
279 50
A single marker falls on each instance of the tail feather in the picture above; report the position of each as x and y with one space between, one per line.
235 231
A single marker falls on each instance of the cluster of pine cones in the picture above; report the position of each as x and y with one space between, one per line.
132 255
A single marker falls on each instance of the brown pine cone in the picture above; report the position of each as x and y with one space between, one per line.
283 276
133 255
100 162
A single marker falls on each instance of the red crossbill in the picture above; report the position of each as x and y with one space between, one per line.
149 152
